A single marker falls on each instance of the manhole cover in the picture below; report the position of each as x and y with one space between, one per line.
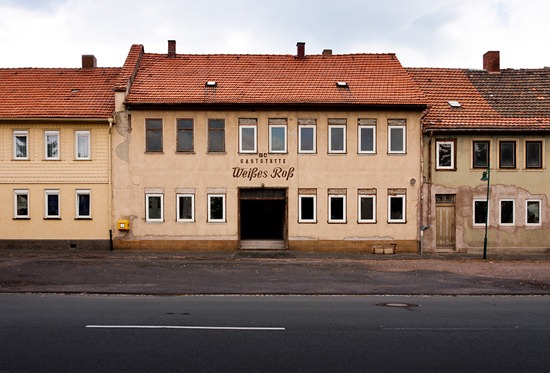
396 304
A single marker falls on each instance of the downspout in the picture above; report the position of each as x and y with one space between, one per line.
110 193
429 182
421 205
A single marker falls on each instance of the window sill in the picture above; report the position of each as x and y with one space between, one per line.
22 218
52 218
83 219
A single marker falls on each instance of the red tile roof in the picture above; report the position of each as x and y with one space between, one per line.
372 79
508 100
57 93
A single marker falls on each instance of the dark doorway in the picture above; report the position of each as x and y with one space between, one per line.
263 214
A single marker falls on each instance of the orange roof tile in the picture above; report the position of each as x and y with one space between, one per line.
372 79
57 92
509 100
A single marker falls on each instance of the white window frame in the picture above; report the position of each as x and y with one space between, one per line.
24 134
307 126
344 139
77 135
539 202
47 135
178 208
359 142
47 193
513 223
147 201
80 192
484 200
438 166
246 151
210 218
302 220
344 205
390 149
359 216
404 199
271 128
21 192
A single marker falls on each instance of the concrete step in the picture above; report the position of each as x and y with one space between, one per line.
263 245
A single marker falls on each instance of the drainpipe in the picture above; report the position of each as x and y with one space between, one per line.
110 195
421 206
429 182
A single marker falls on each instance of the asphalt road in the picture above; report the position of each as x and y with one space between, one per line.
75 333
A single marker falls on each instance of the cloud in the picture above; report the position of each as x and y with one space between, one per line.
444 33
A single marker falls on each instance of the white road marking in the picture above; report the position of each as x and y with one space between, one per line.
186 327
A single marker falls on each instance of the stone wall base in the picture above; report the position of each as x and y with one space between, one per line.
398 246
55 244
371 246
176 245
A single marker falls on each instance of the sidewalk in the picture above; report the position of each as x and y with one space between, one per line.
270 273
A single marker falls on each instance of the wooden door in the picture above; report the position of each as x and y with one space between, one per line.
445 222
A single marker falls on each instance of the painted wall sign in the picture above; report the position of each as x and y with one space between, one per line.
252 173
255 173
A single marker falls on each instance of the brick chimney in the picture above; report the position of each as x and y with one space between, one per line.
327 52
301 50
89 61
491 61
171 48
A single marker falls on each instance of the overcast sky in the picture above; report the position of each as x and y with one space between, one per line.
423 33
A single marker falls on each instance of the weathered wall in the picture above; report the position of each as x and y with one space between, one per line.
137 172
465 182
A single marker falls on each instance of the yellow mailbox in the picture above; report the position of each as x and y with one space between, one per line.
123 225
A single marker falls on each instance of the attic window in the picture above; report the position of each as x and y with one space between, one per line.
454 104
342 84
74 90
211 83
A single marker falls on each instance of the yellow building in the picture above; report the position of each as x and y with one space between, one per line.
55 156
305 152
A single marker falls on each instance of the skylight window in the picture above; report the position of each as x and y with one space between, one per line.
342 84
454 104
211 83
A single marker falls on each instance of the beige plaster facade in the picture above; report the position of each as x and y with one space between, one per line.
232 174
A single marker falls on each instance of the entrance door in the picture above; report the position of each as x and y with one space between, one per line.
445 222
262 218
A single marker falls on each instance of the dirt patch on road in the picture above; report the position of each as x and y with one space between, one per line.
533 271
